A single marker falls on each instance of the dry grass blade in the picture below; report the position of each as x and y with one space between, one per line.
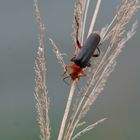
41 91
81 124
88 128
94 17
65 116
84 21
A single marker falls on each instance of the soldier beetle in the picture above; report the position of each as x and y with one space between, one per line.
82 59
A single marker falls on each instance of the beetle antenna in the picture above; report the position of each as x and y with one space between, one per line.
64 79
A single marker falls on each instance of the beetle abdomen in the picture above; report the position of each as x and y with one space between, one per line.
87 50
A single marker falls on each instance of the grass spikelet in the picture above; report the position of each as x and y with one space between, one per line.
58 54
41 91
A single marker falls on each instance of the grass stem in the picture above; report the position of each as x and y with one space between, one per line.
65 116
94 17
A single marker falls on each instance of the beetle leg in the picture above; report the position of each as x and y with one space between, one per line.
96 55
78 44
77 40
73 58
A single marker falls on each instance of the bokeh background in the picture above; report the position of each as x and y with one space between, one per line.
119 102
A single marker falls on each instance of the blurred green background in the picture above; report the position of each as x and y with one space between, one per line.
119 102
